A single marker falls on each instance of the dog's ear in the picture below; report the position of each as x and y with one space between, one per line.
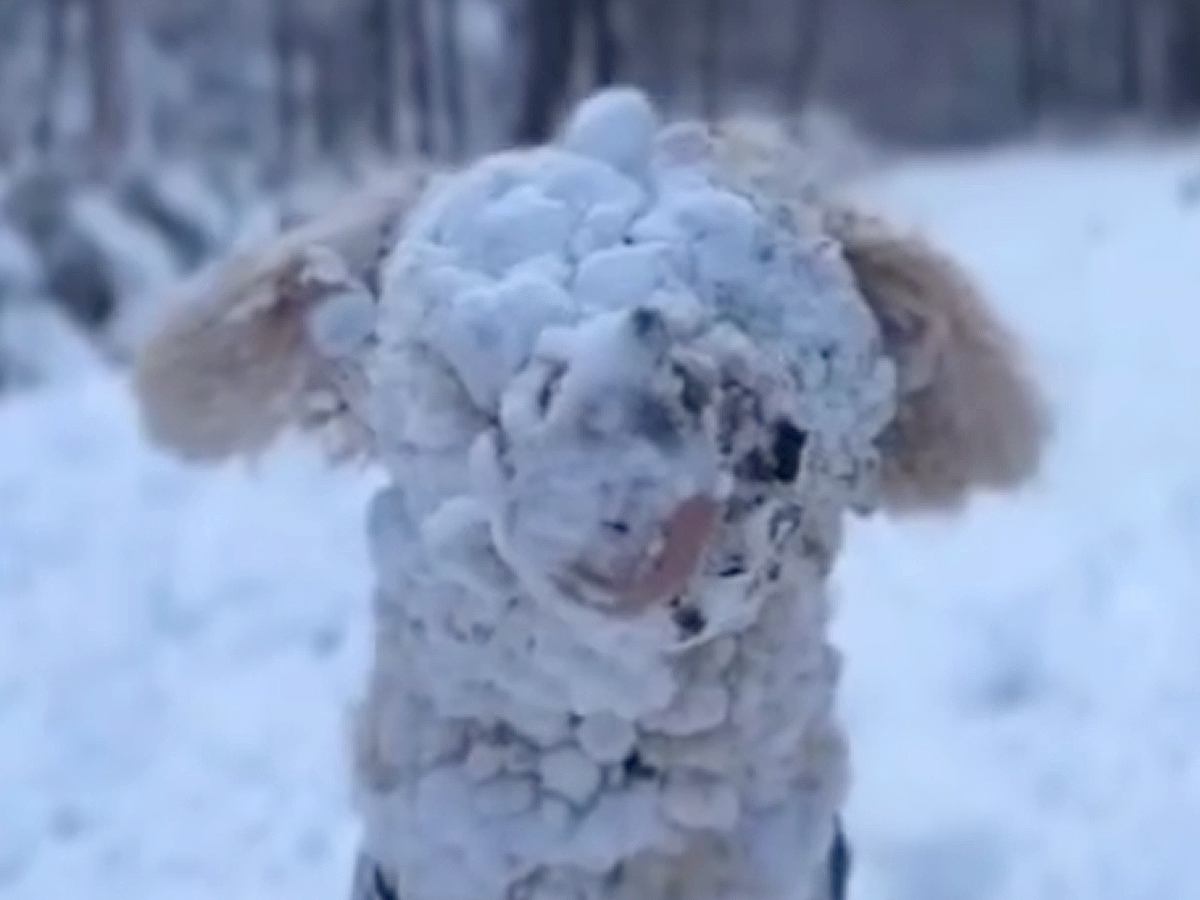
969 417
236 359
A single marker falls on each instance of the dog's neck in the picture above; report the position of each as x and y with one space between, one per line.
505 746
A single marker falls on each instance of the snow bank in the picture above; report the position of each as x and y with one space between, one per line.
623 402
37 343
177 651
1021 682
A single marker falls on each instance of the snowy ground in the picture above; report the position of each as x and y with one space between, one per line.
177 648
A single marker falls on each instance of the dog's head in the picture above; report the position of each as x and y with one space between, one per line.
619 342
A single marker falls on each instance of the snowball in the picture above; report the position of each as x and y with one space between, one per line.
617 127
698 707
699 801
340 325
505 797
608 278
487 334
484 761
606 738
556 814
569 773
520 225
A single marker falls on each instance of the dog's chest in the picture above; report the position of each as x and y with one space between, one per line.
523 744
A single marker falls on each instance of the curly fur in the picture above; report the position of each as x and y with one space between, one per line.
969 416
228 370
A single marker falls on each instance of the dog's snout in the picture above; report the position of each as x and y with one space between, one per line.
668 564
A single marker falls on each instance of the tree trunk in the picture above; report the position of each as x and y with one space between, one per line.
710 57
329 101
45 126
1056 72
551 49
419 75
606 50
806 59
285 42
456 114
109 83
661 23
1183 57
1129 34
1029 56
381 32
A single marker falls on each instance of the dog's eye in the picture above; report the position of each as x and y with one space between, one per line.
786 447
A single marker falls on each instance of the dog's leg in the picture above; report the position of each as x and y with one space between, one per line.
840 862
370 882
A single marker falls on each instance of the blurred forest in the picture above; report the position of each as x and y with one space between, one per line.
293 81
182 117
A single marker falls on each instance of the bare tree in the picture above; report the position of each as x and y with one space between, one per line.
45 126
710 57
381 34
1129 34
1183 56
551 49
806 58
329 101
452 72
661 21
109 83
606 52
286 46
1029 55
420 78
1057 77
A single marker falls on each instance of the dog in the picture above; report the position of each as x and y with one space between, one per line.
627 387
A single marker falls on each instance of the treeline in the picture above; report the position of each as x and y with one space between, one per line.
289 83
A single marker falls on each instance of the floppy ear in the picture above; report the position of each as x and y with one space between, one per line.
237 361
969 417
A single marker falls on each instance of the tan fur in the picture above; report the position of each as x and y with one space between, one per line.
225 374
969 416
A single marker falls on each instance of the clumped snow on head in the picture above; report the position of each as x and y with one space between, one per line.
624 402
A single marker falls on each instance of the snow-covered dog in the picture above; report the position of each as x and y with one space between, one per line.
626 388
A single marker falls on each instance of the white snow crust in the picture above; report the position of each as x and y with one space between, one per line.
582 352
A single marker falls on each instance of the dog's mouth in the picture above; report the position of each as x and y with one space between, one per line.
669 563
